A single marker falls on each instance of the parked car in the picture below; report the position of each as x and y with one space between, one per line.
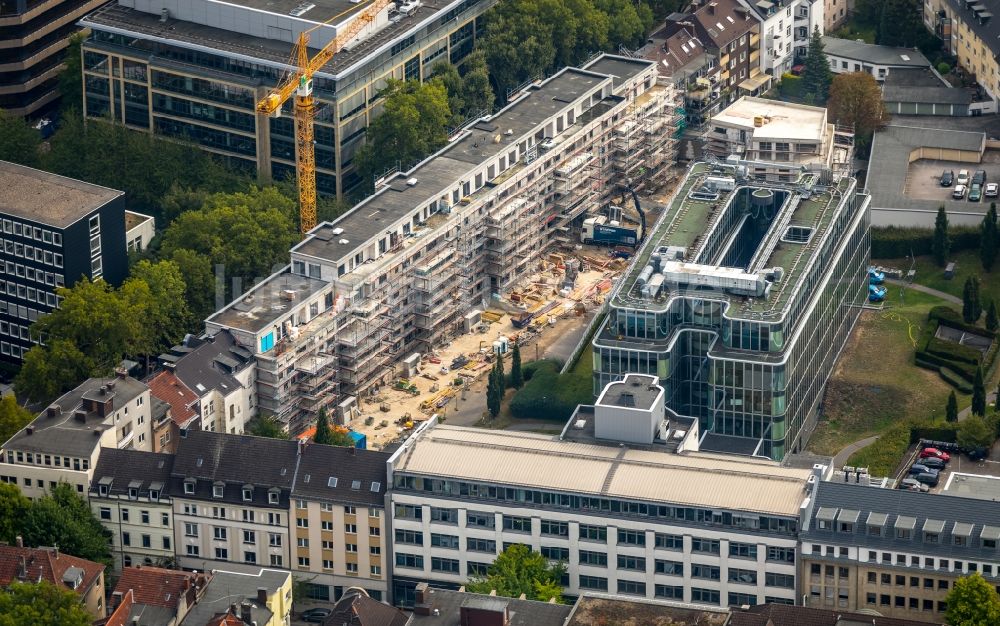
316 616
979 178
912 484
933 463
931 480
959 192
947 178
935 452
975 193
918 468
963 177
991 190
978 454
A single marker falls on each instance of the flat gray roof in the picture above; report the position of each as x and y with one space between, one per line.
442 170
973 486
926 95
635 392
620 68
890 161
268 300
873 54
47 198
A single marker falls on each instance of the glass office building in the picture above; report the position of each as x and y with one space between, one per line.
741 301
194 71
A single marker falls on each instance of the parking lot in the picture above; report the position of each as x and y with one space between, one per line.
923 177
960 463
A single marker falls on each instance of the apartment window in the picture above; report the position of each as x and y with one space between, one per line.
303 561
326 525
190 530
411 537
249 536
247 494
166 543
783 555
474 544
555 553
351 529
632 587
742 576
217 491
473 568
785 581
710 572
593 533
517 524
414 561
444 516
633 537
219 512
374 531
274 540
248 515
105 513
277 561
669 568
272 497
188 487
274 519
595 583
302 542
222 554
708 546
444 541
147 541
303 522
742 550
635 563
193 550
219 533
126 539
673 542
557 529
705 596
351 547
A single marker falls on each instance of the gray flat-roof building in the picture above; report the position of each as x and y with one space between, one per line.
741 300
847 55
194 70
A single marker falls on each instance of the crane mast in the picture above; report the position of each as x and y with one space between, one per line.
300 84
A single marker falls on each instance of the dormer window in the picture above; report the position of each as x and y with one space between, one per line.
247 494
133 493
189 486
218 491
825 518
102 490
272 497
154 495
846 520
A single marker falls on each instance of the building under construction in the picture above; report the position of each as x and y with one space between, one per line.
407 269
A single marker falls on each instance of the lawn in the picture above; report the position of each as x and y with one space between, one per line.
966 264
854 31
875 382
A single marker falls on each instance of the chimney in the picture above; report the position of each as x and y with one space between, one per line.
19 541
30 430
80 415
481 616
53 411
422 600
110 385
234 610
22 568
135 621
104 390
262 596
246 612
120 373
711 8
116 600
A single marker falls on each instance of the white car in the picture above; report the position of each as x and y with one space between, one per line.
991 190
963 178
959 192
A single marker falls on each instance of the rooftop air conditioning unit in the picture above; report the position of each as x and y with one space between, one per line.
411 182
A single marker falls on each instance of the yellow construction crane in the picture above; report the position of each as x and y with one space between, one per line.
300 83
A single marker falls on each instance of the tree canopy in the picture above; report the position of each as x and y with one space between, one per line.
13 417
941 244
18 141
266 426
41 604
989 238
973 601
816 77
856 100
518 570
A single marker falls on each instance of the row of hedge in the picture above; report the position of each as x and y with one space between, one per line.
549 395
955 363
884 456
953 318
894 242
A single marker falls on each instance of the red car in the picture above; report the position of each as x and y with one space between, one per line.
934 452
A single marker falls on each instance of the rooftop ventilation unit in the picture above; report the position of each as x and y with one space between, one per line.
302 9
411 182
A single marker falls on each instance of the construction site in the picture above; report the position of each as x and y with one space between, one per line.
526 217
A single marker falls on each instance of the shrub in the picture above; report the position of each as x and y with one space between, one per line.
893 242
953 351
943 68
950 317
934 431
790 86
954 379
884 456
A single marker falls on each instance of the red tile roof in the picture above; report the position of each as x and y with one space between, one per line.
34 564
167 387
156 586
119 617
226 619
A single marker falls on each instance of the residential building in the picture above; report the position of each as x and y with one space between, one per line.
971 32
633 520
129 496
55 231
782 136
400 271
455 608
139 231
337 520
785 615
922 91
34 37
357 608
685 64
835 13
894 551
196 69
740 301
786 26
33 565
119 615
155 596
847 56
64 442
262 597
182 413
230 497
222 373
597 609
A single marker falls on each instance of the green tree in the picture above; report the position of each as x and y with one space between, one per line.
974 432
341 438
323 433
988 238
199 282
979 394
817 77
41 604
899 23
447 75
518 48
973 601
941 244
951 411
977 300
516 375
856 100
156 294
412 125
518 570
51 369
13 506
71 76
992 322
477 93
13 417
968 301
628 22
62 518
495 388
266 426
18 141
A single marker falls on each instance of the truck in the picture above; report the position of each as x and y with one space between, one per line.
598 230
